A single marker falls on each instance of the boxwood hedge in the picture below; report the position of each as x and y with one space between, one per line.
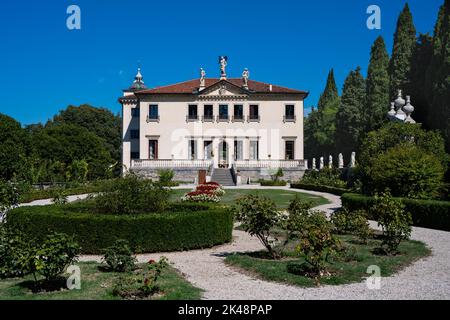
425 213
320 188
181 228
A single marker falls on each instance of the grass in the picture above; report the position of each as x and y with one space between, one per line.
97 285
280 197
343 270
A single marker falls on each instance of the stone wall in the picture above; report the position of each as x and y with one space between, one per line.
255 174
188 175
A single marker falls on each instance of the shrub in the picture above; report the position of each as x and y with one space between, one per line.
258 216
119 257
9 195
298 212
317 243
394 220
52 256
408 172
354 222
425 213
142 283
60 198
166 177
272 183
153 232
320 188
12 249
132 195
324 177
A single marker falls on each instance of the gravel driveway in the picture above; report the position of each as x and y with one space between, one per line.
428 278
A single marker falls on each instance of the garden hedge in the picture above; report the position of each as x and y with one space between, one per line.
181 228
431 214
320 188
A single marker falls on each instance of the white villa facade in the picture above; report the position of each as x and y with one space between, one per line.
246 127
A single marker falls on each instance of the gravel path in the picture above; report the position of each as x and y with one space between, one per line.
428 278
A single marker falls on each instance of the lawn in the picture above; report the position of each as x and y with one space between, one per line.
281 197
345 269
97 285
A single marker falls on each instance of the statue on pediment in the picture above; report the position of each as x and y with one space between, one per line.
245 76
223 61
202 78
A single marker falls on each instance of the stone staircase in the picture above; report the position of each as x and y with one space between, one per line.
223 176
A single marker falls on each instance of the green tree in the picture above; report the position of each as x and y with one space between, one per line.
350 116
12 148
63 143
99 121
377 86
438 75
402 52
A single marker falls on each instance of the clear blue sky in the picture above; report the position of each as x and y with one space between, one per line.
45 67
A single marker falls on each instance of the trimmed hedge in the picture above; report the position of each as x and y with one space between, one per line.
320 188
197 226
431 214
271 183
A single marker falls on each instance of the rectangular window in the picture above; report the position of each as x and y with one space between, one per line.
238 150
254 146
134 134
254 112
135 112
153 149
289 150
238 112
153 112
223 112
192 115
289 114
134 155
207 147
192 149
208 112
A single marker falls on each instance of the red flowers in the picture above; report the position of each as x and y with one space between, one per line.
151 261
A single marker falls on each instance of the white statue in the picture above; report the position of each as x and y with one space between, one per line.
321 163
202 77
341 161
353 160
330 161
245 76
223 60
314 163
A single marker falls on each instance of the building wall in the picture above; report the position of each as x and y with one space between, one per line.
173 130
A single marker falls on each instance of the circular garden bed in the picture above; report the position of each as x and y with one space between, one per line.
181 227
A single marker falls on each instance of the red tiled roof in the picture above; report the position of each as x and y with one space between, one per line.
192 85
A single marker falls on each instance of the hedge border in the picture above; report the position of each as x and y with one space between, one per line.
153 232
431 214
320 188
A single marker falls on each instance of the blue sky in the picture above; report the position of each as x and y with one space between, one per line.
45 67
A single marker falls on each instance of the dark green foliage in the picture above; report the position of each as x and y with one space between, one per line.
272 183
425 213
13 250
258 216
438 78
377 86
402 52
320 124
408 172
166 177
119 257
350 115
12 148
325 177
389 136
132 195
99 121
61 144
320 188
354 222
153 232
393 219
9 195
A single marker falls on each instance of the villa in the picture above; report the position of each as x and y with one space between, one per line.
229 130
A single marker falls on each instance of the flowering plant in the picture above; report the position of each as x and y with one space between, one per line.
208 192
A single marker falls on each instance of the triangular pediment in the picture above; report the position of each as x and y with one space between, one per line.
223 88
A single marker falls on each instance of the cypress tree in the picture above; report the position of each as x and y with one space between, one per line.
439 75
404 43
330 94
349 117
377 86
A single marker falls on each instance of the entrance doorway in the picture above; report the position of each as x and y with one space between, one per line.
223 155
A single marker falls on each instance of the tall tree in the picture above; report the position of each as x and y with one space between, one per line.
330 93
377 86
420 61
438 75
12 148
402 52
350 117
